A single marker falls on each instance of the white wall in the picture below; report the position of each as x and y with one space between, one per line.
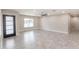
75 23
20 21
36 23
8 12
58 23
0 25
0 28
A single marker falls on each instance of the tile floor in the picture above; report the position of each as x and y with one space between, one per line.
39 39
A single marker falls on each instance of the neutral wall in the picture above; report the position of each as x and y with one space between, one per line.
8 12
20 21
0 25
58 23
0 29
36 23
75 23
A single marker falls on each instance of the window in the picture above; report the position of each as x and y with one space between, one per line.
28 22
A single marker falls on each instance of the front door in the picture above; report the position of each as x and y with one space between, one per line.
9 26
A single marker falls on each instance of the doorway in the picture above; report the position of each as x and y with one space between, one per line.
9 28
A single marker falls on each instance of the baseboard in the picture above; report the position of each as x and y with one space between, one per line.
56 31
44 30
28 29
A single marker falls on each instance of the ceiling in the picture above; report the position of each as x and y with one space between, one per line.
39 12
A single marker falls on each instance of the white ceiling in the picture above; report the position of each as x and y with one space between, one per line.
38 12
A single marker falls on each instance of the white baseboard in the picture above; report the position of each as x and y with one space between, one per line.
28 29
56 31
44 30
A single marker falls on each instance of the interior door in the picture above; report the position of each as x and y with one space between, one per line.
9 26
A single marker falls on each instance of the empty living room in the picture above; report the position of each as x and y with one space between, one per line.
39 28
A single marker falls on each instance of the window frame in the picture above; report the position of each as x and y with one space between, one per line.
29 20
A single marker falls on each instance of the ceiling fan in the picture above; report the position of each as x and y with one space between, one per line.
44 14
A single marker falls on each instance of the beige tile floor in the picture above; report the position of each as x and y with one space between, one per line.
38 39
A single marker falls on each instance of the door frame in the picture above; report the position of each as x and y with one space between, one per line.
4 27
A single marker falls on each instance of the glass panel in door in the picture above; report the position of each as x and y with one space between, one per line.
9 25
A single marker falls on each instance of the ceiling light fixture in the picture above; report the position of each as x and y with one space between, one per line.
44 14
